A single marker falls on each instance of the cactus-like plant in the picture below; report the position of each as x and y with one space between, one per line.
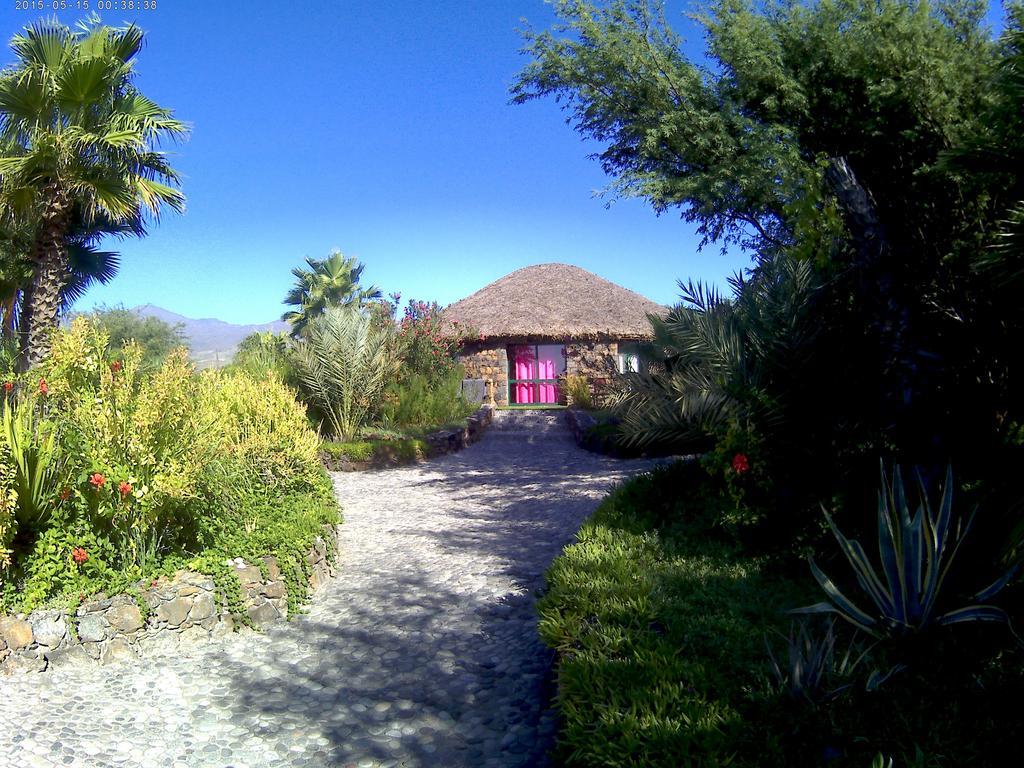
916 553
811 670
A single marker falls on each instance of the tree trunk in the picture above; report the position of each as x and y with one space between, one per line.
880 289
41 301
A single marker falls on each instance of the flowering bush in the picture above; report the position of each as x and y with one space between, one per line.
428 388
738 461
426 347
109 473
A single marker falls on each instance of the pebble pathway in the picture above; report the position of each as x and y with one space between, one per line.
422 652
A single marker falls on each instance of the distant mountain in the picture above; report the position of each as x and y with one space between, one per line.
212 342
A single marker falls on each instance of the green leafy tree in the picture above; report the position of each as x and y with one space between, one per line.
77 136
330 282
124 326
815 131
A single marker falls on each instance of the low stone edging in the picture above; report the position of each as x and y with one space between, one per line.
165 612
439 443
579 423
457 438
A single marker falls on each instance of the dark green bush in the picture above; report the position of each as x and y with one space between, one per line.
418 400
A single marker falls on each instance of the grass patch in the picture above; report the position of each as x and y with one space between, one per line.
658 623
659 618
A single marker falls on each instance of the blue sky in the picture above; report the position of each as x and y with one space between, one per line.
381 128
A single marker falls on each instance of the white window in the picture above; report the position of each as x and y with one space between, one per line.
629 359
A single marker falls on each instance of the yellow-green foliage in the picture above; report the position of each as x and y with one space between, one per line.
8 499
264 428
151 432
577 389
154 470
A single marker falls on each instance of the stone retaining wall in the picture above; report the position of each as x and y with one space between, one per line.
579 422
183 608
438 443
451 440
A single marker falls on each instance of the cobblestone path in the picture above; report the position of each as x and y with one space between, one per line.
422 652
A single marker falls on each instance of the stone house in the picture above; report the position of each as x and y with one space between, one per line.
529 330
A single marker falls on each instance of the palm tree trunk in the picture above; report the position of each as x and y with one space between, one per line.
7 310
41 302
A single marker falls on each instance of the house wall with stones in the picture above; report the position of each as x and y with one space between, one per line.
595 361
167 611
488 363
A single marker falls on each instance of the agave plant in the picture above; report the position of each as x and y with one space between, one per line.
916 552
811 670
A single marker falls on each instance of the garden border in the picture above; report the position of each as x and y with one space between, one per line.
186 607
439 443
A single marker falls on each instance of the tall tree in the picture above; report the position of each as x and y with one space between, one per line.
330 282
77 135
811 130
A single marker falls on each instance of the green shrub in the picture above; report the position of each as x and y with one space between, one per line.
402 449
417 400
155 471
125 326
263 428
577 390
356 451
263 353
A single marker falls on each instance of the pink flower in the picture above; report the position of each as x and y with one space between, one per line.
97 480
125 488
43 388
79 555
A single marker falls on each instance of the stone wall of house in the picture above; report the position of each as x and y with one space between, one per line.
183 608
488 363
596 361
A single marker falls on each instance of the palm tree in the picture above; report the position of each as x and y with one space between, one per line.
344 364
77 138
330 282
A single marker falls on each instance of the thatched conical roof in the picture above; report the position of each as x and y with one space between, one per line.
557 302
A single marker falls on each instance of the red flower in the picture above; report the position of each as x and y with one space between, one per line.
43 388
65 494
740 463
97 479
115 366
8 386
125 488
79 555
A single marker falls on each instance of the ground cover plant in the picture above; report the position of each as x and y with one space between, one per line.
112 474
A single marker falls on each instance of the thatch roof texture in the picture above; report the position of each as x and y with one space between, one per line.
556 302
